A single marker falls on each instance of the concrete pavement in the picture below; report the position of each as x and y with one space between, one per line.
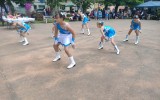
28 73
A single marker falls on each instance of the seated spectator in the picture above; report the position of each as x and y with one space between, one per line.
10 15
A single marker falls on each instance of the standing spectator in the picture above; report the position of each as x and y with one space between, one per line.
44 12
109 13
125 15
103 13
99 14
95 14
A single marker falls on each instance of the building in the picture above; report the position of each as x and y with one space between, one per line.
39 4
67 6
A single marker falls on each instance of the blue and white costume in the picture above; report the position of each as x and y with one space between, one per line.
135 25
109 32
26 29
85 19
64 37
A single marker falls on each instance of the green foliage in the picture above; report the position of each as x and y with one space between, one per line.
84 3
54 3
129 3
21 2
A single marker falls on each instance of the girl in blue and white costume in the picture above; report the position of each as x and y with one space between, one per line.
65 38
23 29
136 26
108 33
84 22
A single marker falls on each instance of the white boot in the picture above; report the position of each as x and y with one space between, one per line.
22 39
82 31
26 41
89 32
117 50
126 39
137 40
100 46
58 57
72 62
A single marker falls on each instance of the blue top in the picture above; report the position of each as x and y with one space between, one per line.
109 31
61 30
107 28
27 26
135 25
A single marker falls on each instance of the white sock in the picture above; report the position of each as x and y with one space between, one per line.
127 36
25 39
72 60
116 47
89 32
137 38
101 44
58 54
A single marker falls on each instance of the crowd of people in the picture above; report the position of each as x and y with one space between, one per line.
125 13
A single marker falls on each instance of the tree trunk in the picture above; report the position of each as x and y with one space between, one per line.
116 7
4 6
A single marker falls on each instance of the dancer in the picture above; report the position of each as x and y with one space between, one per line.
136 26
84 22
22 29
65 38
108 34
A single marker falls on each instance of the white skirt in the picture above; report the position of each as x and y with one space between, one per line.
64 39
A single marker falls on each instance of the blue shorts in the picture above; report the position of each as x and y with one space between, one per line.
110 34
135 27
85 20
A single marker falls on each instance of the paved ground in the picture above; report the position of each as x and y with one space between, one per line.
28 73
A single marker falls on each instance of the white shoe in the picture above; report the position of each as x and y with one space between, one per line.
26 43
118 52
56 59
82 32
101 47
89 34
125 40
71 65
136 42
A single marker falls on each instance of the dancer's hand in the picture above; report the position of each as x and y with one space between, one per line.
73 43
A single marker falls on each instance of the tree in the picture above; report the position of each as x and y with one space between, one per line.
4 2
54 3
84 4
130 3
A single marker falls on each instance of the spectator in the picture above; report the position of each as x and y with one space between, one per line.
44 12
99 14
10 15
95 14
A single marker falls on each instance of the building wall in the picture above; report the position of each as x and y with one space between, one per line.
39 4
